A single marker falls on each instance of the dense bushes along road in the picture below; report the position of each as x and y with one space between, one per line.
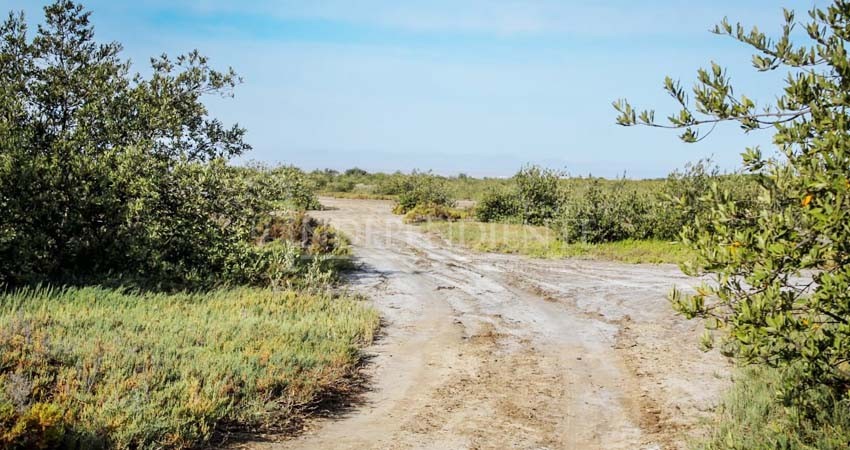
587 210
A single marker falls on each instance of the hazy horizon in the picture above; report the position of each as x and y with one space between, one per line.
475 87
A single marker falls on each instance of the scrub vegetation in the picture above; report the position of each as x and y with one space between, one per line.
109 368
152 295
543 242
779 295
541 212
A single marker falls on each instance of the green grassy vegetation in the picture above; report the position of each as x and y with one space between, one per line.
360 184
581 210
543 242
357 195
750 417
117 369
542 213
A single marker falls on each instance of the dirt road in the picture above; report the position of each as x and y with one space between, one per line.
495 351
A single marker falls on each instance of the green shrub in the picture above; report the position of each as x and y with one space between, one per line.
285 264
780 289
311 234
106 176
340 186
500 205
391 184
680 193
96 368
294 190
356 172
538 194
388 185
421 189
606 215
292 250
533 197
283 188
683 190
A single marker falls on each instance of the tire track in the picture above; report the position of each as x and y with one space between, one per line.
494 351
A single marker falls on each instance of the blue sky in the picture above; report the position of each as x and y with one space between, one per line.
474 86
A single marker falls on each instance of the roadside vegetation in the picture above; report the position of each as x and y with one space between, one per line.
595 211
152 295
541 212
779 300
543 242
109 368
360 184
750 418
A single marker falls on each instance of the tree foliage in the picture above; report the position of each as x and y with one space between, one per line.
499 204
781 291
106 173
538 194
533 196
420 188
609 214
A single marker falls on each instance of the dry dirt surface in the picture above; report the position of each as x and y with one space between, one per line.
484 351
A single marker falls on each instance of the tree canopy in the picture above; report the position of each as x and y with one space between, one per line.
781 290
108 173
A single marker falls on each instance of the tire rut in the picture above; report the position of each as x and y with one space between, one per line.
495 351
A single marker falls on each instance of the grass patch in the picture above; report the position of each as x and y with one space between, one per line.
355 195
750 417
542 242
99 368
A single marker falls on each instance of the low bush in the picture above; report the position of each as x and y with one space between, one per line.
431 212
290 250
680 194
96 368
683 192
389 185
292 190
595 210
312 235
340 186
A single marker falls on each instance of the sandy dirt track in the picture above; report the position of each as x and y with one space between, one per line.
485 351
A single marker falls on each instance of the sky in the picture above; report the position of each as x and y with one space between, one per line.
480 87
